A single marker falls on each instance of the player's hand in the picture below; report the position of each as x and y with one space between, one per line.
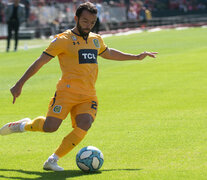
16 91
145 54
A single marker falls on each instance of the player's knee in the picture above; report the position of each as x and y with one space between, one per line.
84 121
51 124
85 125
50 128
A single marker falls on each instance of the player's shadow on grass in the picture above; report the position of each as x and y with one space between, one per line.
121 170
56 175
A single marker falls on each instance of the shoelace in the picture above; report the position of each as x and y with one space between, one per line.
52 161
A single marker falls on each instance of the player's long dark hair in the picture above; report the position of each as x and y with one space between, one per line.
90 7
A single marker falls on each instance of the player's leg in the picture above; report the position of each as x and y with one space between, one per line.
14 127
58 109
82 117
83 122
9 35
16 34
41 124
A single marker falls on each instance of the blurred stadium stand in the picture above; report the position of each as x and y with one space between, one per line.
48 17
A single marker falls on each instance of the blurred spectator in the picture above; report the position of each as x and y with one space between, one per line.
201 6
187 5
132 15
49 16
145 16
15 15
127 4
2 6
148 14
99 9
142 15
105 17
27 8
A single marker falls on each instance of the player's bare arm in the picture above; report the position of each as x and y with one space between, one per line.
17 88
114 54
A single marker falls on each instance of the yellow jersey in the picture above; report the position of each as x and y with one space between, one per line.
78 61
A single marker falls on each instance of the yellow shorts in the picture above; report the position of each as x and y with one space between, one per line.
65 102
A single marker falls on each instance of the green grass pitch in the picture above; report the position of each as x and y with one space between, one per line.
152 117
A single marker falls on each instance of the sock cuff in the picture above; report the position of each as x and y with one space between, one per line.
79 132
22 125
36 124
54 156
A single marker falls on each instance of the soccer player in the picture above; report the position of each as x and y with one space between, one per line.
15 15
77 50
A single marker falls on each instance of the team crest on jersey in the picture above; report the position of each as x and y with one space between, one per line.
57 109
74 38
96 43
54 40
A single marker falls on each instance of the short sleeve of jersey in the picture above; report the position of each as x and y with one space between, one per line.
56 46
103 47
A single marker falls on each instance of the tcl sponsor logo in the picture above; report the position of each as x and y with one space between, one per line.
87 56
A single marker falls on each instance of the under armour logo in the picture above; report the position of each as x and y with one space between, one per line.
74 43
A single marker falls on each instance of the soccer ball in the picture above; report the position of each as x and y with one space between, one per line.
89 159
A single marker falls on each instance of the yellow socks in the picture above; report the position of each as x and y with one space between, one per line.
36 124
70 141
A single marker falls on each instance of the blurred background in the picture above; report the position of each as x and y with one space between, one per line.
44 18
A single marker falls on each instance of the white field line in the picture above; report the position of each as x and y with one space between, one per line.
181 28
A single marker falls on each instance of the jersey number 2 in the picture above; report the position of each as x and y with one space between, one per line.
94 105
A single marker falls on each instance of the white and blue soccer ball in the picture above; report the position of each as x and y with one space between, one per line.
89 159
